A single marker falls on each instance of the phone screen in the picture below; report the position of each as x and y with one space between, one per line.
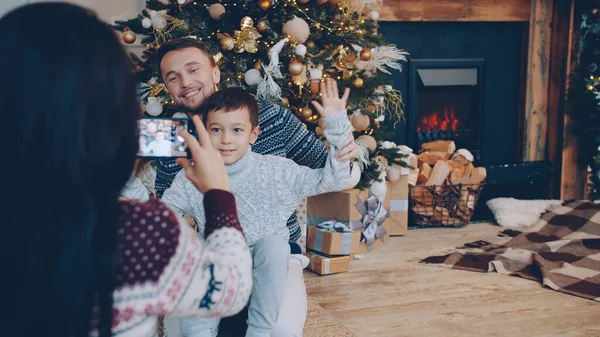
159 137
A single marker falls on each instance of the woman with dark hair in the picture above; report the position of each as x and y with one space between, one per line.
77 260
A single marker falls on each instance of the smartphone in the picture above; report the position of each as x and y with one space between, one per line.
159 137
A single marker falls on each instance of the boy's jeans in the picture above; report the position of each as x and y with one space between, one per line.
270 257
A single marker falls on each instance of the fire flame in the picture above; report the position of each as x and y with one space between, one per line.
440 121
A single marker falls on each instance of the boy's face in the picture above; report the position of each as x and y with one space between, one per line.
231 133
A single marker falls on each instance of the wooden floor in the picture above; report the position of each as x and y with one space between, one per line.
389 294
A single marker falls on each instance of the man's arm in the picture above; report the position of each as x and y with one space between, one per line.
301 145
166 170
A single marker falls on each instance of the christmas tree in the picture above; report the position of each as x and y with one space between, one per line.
280 50
584 93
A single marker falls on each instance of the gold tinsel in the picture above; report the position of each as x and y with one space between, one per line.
392 103
163 35
157 89
245 40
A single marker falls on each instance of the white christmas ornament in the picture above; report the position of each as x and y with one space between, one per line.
253 77
386 145
393 173
158 20
300 50
297 30
268 88
146 23
152 81
354 176
374 15
153 107
216 10
180 115
379 188
181 2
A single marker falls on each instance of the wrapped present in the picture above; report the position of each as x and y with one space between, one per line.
399 194
332 238
373 225
351 207
338 206
325 265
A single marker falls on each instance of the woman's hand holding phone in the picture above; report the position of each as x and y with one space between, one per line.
207 171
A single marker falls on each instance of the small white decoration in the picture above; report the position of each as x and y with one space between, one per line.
153 107
146 23
374 15
300 50
253 77
180 115
386 145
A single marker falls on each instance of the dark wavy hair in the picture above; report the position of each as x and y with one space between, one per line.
230 99
69 112
179 44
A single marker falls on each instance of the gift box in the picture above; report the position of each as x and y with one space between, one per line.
328 240
357 209
325 265
399 197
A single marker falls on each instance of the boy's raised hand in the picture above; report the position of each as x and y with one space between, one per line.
331 98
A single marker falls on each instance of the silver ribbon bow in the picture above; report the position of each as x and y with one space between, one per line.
374 214
334 226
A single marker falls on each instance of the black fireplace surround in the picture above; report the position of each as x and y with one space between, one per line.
462 82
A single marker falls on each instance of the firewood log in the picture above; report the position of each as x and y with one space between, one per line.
461 175
477 176
422 210
463 157
424 173
442 148
422 195
441 214
427 158
439 173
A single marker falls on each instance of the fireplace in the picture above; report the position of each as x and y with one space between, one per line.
446 102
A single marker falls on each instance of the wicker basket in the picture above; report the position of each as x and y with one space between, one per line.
446 205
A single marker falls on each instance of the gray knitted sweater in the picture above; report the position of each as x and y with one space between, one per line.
267 188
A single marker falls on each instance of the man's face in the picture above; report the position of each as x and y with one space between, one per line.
231 133
189 76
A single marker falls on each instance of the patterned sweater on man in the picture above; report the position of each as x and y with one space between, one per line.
268 188
163 267
281 134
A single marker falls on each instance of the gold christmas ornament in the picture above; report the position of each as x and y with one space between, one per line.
370 107
246 22
360 122
306 112
218 58
258 65
263 26
216 11
157 89
129 37
264 5
296 67
365 54
245 39
358 82
226 41
297 30
310 44
367 141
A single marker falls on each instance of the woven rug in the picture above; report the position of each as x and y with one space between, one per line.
319 323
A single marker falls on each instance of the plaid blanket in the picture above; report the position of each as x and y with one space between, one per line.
562 251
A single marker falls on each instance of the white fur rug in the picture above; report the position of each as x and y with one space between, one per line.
515 213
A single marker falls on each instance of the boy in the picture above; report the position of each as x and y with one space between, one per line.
267 189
